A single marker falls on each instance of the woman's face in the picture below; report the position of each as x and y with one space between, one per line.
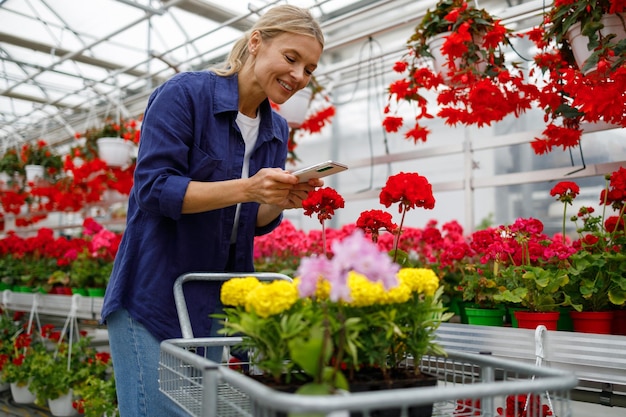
284 64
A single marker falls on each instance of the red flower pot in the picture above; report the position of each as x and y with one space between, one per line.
592 321
618 326
532 319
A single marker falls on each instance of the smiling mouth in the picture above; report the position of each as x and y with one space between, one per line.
286 86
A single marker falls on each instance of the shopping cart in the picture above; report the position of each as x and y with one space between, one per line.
468 385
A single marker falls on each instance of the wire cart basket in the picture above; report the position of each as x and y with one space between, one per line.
468 384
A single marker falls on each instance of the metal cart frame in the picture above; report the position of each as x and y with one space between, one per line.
469 384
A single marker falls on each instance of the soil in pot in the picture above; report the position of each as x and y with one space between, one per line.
370 379
367 380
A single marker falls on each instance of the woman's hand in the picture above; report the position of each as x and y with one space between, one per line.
301 191
296 192
277 187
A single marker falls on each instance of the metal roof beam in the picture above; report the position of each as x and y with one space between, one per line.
60 52
215 13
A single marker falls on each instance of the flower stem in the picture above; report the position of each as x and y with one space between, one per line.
324 237
564 216
396 242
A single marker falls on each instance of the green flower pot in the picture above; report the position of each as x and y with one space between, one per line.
485 316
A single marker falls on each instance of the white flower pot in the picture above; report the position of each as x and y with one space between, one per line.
114 151
21 394
33 172
62 406
440 61
613 24
4 178
294 110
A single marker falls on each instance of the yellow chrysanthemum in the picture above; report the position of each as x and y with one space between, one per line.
271 299
322 291
364 292
235 290
420 280
397 295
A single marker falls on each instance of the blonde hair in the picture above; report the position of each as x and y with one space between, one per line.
278 20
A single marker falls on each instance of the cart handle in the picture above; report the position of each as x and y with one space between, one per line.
179 296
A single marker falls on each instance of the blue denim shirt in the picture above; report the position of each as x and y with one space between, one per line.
188 133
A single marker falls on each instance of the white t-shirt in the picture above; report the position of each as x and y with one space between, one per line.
249 128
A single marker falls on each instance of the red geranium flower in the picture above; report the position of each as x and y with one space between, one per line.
372 221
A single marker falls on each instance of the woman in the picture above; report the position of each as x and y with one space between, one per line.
209 177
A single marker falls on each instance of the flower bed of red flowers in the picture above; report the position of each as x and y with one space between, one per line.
457 257
44 261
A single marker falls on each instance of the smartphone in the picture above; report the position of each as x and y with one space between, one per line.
320 170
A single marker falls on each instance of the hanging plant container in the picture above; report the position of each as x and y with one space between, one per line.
116 152
294 110
613 24
441 62
34 172
21 394
62 406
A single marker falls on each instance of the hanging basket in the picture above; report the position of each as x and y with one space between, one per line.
21 394
115 152
294 110
440 60
613 24
62 406
33 172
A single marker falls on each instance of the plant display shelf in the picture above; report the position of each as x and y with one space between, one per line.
51 304
598 360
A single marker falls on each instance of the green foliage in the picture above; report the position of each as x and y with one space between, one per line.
536 288
98 396
318 338
89 272
10 163
19 368
268 338
560 20
434 23
55 371
480 287
598 280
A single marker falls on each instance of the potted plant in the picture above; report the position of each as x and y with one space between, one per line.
11 165
479 290
17 371
39 154
111 142
459 37
593 33
598 285
525 264
472 79
591 91
331 335
55 372
10 326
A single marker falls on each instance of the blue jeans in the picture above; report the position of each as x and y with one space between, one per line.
135 353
